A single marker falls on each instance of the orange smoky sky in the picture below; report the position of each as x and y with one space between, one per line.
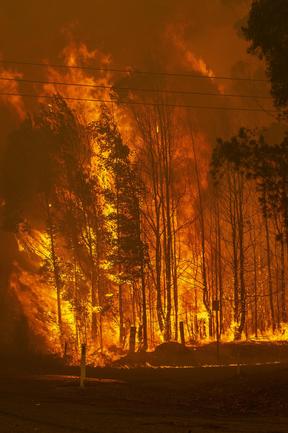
132 31
156 35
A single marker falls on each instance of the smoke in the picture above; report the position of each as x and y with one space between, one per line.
149 35
129 30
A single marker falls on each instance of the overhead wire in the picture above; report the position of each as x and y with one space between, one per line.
152 104
133 71
137 89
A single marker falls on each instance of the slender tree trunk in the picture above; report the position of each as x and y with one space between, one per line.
55 266
175 279
144 308
270 285
202 235
220 276
241 267
283 286
255 282
235 262
121 315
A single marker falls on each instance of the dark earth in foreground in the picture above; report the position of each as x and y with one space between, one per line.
143 400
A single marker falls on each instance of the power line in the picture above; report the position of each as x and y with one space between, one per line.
137 89
201 107
134 71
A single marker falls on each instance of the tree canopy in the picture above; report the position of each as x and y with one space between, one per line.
267 32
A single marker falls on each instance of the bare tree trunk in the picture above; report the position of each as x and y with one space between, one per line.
241 264
175 279
121 315
270 285
219 265
168 259
202 234
144 308
283 286
255 282
235 265
55 266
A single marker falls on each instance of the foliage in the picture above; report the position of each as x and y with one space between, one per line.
267 32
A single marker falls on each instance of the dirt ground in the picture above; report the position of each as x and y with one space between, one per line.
146 400
173 354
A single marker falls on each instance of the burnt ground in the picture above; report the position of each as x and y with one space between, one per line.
142 400
175 354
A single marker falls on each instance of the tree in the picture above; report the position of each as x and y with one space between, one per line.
122 194
267 166
51 156
233 178
267 32
206 301
29 172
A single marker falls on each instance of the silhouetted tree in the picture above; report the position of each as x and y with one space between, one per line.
268 33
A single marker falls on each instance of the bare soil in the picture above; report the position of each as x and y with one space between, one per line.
174 354
145 400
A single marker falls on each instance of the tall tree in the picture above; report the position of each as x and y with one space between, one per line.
123 196
267 32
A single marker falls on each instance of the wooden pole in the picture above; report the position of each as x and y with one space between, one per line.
238 366
83 365
217 336
132 341
65 354
182 334
216 308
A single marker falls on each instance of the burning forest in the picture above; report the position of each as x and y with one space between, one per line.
143 186
127 217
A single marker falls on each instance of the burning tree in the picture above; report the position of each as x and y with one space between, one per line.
122 195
